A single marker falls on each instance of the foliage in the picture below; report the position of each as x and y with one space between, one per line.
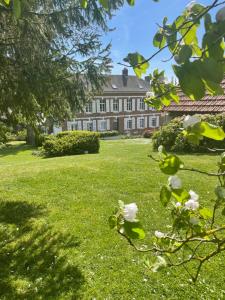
148 134
104 134
71 143
196 232
49 80
4 131
172 138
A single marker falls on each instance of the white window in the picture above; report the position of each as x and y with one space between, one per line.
129 124
142 122
129 104
102 105
142 104
89 107
115 105
90 126
103 125
74 126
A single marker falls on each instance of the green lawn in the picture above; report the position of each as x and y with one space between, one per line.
54 237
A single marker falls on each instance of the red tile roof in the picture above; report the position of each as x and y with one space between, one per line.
209 104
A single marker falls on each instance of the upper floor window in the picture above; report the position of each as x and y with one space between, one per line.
142 104
129 104
115 105
142 122
102 105
89 107
129 124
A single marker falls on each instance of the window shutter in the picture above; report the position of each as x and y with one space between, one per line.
79 125
108 124
99 125
111 105
146 122
134 104
97 106
107 105
133 123
125 123
138 123
138 104
157 121
94 106
94 125
125 104
150 122
84 125
120 105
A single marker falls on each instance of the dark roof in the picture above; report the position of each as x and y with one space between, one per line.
118 84
209 104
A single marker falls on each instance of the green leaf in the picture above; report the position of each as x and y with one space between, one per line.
213 88
131 2
210 70
165 195
7 1
170 165
112 222
190 82
207 22
134 230
138 62
197 8
84 3
220 192
104 3
223 212
17 8
189 34
206 213
180 195
159 40
185 53
212 131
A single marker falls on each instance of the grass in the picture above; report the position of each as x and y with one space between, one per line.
55 241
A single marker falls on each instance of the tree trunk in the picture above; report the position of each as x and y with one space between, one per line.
30 135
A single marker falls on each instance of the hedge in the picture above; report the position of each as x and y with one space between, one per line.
171 137
104 134
71 143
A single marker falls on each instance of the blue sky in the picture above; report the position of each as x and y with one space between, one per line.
135 28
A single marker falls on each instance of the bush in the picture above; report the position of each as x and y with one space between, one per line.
104 134
71 143
171 137
147 134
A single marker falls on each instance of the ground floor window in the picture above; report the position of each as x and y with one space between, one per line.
142 122
103 125
154 122
116 124
129 124
89 126
74 126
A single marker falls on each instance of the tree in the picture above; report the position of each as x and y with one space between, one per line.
197 233
51 56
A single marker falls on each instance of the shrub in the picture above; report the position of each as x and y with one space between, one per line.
171 137
147 134
104 134
71 143
21 135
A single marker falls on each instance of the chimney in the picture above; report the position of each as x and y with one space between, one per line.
125 76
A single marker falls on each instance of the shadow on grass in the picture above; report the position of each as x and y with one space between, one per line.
33 260
14 149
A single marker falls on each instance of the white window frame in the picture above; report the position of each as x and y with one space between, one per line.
102 105
154 122
115 104
103 128
129 105
141 104
89 107
129 124
142 122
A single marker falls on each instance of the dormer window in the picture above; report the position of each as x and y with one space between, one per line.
114 86
140 86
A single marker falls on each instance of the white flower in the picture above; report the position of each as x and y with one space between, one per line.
194 221
191 121
130 211
220 16
159 234
193 195
192 204
175 182
149 94
178 204
160 149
